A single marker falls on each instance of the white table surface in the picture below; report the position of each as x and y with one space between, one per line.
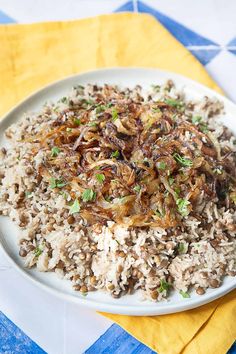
60 327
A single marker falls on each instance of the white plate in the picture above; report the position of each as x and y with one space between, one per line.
129 304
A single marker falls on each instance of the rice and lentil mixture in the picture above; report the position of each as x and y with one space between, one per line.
122 189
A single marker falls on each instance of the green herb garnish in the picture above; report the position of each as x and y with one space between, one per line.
69 130
92 124
181 248
77 121
161 165
160 213
173 103
114 114
88 195
88 102
164 286
156 88
28 194
55 151
75 207
115 154
100 177
80 87
64 100
184 294
177 190
65 195
196 119
107 198
182 160
204 128
171 180
182 206
100 109
174 116
137 188
38 251
56 183
156 109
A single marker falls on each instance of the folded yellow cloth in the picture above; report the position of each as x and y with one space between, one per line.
33 55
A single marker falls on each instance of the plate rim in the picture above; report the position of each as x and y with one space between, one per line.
91 303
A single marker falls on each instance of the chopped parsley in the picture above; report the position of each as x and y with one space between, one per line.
164 286
88 102
177 191
56 183
114 114
174 116
77 121
161 165
69 130
55 151
171 180
137 188
196 119
28 194
78 87
184 294
100 177
38 251
64 100
204 128
65 195
160 213
115 154
181 248
88 195
75 207
156 109
156 88
182 206
182 160
92 124
107 198
173 103
101 108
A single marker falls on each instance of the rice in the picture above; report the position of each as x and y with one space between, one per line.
110 255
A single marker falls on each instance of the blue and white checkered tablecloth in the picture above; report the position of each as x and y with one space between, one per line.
208 29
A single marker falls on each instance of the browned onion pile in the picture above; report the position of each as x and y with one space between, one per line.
142 163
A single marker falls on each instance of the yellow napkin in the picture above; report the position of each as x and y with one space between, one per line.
33 55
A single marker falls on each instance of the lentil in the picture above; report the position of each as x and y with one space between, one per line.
200 291
214 283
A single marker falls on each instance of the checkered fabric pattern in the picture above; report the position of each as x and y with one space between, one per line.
208 30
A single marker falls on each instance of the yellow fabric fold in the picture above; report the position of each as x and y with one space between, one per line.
205 330
32 56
